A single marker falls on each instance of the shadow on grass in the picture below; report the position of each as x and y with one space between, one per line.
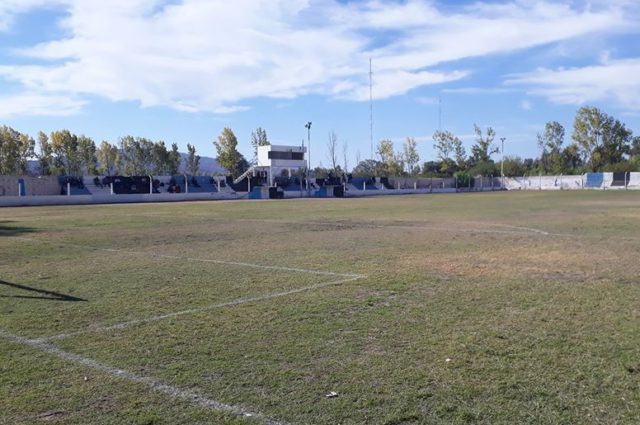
7 229
50 295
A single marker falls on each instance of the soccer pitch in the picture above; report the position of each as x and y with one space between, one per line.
468 308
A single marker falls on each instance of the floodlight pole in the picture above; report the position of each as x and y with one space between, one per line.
308 127
502 139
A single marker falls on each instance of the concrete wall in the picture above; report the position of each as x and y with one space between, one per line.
34 186
18 201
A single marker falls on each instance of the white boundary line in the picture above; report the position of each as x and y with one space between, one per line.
124 325
347 277
170 390
44 345
372 225
204 260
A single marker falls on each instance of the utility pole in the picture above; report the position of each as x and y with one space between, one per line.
502 139
308 127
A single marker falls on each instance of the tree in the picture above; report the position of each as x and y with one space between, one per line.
445 143
411 156
571 159
332 150
193 160
460 154
345 152
64 145
228 155
602 140
45 154
431 168
87 155
108 157
258 138
514 166
550 144
137 155
392 163
481 151
174 160
160 159
368 168
385 151
15 150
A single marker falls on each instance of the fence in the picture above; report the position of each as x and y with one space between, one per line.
593 181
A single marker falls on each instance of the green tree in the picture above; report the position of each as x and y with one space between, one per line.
550 144
482 149
411 156
108 157
137 155
45 154
514 166
393 163
160 159
15 150
602 139
445 144
175 159
258 138
227 149
87 155
571 159
68 160
193 161
368 168
460 154
635 146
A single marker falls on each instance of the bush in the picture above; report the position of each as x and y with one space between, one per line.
463 178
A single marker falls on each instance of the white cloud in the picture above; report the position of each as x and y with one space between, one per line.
526 105
614 81
35 104
427 100
199 55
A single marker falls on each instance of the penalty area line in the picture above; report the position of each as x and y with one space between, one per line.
158 386
124 325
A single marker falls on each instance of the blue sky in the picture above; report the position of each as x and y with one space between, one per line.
180 71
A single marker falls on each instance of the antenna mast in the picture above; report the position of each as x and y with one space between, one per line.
371 106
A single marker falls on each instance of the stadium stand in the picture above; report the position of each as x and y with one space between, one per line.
620 179
73 184
362 183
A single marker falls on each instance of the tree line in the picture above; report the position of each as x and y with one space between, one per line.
599 142
64 153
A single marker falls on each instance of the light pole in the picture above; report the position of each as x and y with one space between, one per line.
598 139
502 139
308 127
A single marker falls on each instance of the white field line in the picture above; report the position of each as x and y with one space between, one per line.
203 260
516 229
158 386
124 325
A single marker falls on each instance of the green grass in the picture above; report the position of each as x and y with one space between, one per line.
466 314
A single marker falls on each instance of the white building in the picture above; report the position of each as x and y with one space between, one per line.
277 158
273 159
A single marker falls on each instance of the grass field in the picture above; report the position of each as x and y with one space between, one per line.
470 308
